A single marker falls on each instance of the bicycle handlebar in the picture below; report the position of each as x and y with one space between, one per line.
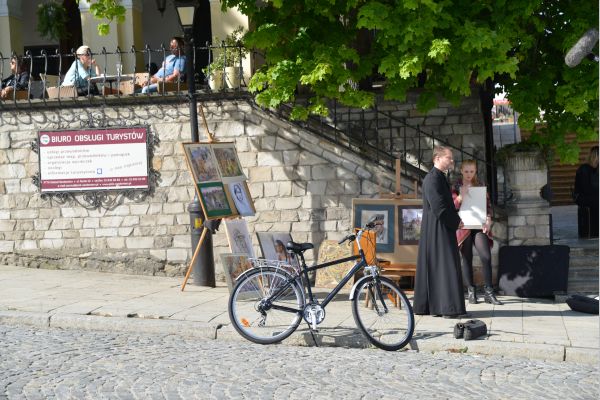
348 237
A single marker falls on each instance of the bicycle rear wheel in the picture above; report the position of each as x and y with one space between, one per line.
383 313
265 307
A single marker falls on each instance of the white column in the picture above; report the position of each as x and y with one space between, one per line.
11 25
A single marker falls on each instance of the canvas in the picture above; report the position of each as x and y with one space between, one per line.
409 224
238 237
214 200
241 198
272 246
473 209
384 230
233 266
228 162
202 162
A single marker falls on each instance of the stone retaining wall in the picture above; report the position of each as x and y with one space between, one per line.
300 184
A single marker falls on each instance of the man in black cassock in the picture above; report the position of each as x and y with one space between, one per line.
438 283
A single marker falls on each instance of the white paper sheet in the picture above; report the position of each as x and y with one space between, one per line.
473 209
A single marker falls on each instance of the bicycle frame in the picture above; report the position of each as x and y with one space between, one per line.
305 270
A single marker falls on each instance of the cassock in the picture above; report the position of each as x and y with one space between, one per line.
438 283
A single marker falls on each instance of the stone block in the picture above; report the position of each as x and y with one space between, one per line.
177 255
288 203
283 144
53 235
335 187
267 143
303 226
524 232
316 187
248 159
11 171
115 243
106 232
260 174
7 246
139 242
516 220
111 222
271 159
285 189
173 208
306 158
323 172
62 223
271 189
91 223
291 157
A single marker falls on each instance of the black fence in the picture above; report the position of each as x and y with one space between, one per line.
47 70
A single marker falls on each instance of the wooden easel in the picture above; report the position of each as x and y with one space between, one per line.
211 139
398 194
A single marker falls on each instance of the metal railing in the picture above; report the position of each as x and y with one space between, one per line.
56 62
381 138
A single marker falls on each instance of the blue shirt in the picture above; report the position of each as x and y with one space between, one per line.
78 75
171 64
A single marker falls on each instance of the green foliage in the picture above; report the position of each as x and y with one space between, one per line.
455 45
52 19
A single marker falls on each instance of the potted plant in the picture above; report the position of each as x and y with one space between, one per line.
232 57
214 72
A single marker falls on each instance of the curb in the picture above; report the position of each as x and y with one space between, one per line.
114 324
347 338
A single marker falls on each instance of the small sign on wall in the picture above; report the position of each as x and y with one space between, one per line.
93 159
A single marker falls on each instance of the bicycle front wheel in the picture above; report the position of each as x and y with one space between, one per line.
383 313
266 305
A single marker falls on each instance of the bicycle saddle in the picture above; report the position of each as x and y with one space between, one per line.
298 247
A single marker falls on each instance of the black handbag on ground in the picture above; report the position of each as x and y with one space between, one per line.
470 329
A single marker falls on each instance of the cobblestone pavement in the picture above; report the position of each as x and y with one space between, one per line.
72 364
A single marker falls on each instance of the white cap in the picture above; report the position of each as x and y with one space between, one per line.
83 50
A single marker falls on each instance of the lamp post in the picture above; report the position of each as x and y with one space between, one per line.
204 265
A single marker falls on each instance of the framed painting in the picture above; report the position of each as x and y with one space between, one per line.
233 266
272 246
214 200
384 228
202 162
238 237
242 200
409 224
228 162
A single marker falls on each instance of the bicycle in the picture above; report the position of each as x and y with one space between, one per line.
269 302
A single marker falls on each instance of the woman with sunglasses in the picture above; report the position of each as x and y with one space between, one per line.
83 68
19 79
481 239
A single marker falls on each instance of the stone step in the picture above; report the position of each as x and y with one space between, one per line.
591 261
583 287
583 274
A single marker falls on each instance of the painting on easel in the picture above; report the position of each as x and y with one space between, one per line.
219 179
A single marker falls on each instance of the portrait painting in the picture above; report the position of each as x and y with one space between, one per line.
202 162
233 266
383 216
238 237
272 246
228 162
242 200
214 200
409 224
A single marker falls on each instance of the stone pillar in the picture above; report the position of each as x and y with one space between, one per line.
528 213
11 25
123 35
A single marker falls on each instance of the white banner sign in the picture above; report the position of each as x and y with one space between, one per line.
93 159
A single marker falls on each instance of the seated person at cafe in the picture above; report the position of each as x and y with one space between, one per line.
173 68
82 69
19 78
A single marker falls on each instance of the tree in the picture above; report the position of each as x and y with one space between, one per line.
441 47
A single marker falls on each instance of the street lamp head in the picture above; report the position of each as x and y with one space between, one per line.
186 11
161 5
